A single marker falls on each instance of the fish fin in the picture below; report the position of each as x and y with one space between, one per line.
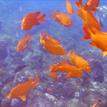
93 44
62 62
68 75
53 75
86 37
75 74
37 13
105 53
87 33
69 55
23 98
9 96
41 18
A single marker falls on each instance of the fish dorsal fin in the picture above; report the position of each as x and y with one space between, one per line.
23 98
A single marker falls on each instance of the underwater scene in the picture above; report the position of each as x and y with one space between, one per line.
53 53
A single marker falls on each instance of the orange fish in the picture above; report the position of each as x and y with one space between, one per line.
79 61
51 44
99 40
63 66
32 19
23 43
69 7
92 5
87 29
62 18
21 90
89 20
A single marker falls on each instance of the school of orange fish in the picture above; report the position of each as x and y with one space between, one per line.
73 65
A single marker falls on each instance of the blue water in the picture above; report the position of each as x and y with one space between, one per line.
17 67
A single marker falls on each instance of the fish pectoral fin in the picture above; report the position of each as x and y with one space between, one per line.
23 98
67 75
93 44
105 53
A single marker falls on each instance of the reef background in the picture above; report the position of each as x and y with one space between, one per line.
18 67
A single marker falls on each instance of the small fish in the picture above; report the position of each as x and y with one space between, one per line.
21 90
79 61
63 66
50 44
99 40
92 5
88 18
89 21
23 43
69 7
62 18
32 19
